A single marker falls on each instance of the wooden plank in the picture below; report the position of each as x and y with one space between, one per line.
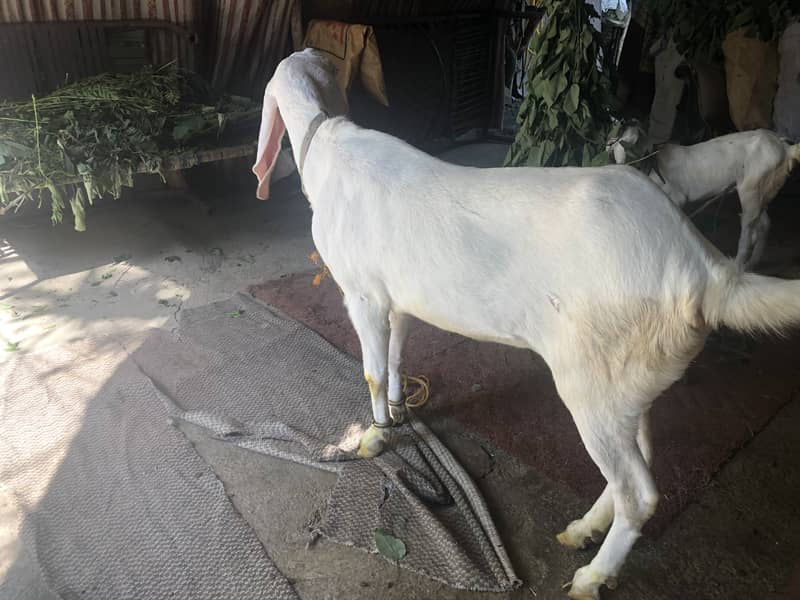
187 160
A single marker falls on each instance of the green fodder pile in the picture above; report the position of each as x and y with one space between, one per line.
99 131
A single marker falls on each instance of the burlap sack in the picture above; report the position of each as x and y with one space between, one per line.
751 71
355 50
787 101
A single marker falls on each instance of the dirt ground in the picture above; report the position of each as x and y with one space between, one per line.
149 256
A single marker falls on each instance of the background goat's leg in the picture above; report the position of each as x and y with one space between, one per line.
759 234
594 524
612 443
752 208
370 319
397 337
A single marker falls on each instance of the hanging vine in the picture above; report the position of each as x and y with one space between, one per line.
565 118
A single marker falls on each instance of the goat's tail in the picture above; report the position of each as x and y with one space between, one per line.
793 156
750 302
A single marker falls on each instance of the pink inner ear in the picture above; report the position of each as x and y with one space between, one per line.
269 144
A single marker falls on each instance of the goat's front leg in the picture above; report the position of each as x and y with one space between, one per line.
397 403
370 319
594 524
611 442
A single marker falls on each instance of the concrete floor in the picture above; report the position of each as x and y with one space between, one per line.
145 258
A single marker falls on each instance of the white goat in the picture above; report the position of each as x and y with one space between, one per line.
592 268
754 163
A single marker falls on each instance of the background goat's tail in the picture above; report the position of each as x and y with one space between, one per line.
750 302
794 156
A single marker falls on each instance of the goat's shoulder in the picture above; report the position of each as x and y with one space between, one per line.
373 147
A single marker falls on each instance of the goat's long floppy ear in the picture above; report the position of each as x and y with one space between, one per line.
269 144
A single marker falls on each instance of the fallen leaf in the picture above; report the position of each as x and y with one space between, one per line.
389 546
235 314
12 346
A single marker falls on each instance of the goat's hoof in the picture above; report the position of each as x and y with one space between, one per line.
372 442
577 537
399 413
586 584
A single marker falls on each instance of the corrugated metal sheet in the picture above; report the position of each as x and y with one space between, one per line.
35 58
352 10
164 46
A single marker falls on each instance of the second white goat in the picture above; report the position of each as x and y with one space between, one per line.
754 163
592 268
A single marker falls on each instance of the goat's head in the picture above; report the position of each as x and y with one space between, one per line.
304 84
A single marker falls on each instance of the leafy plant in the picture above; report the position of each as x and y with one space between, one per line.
87 139
699 27
565 118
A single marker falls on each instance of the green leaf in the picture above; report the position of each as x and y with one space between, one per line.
389 546
586 158
561 84
536 86
548 147
78 204
552 26
548 91
188 126
573 98
11 346
600 159
14 150
534 157
553 119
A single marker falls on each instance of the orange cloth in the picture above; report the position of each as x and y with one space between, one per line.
354 49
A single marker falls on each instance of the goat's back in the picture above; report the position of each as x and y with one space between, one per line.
467 248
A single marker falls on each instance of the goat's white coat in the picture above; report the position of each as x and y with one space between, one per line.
754 163
594 269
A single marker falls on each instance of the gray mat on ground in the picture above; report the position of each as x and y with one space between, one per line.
267 383
101 498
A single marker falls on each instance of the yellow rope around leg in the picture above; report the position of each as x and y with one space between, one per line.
419 397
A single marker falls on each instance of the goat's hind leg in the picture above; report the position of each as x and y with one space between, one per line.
370 319
594 524
611 442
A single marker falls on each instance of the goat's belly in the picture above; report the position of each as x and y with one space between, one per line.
485 327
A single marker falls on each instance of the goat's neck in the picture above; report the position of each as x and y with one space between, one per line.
297 120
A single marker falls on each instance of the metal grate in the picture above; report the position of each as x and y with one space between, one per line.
470 97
